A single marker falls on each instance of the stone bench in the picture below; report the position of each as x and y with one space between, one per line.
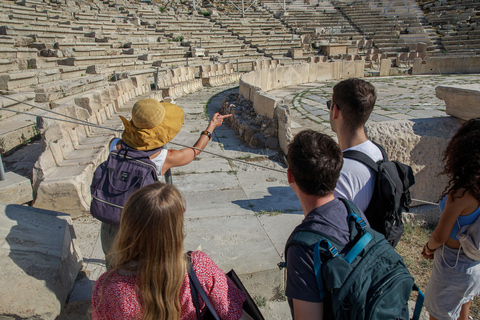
92 60
178 82
218 74
17 129
265 64
71 152
18 80
60 89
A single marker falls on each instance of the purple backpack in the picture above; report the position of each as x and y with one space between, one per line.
125 171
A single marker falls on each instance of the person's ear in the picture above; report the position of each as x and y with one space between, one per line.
335 112
290 177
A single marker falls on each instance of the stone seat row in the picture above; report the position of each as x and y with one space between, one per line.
178 82
218 74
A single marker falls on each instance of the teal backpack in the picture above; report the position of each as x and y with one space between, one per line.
365 279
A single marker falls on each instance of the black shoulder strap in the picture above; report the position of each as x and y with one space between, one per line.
363 158
196 288
144 154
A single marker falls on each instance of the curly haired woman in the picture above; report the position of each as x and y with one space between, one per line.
148 278
455 278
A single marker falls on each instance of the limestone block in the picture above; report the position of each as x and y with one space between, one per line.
40 261
97 69
296 53
441 65
265 104
92 102
16 80
385 66
419 143
282 113
15 189
462 102
48 75
198 52
66 189
8 65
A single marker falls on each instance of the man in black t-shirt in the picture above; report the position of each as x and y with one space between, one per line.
314 164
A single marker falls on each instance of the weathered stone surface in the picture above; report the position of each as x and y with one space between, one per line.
40 261
419 143
15 189
462 102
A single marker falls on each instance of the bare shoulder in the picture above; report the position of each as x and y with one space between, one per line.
463 201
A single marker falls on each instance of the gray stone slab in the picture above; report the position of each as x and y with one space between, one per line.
204 181
15 189
278 227
426 113
240 243
205 165
212 204
267 191
40 261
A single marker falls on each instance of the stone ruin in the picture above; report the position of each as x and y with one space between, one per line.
256 130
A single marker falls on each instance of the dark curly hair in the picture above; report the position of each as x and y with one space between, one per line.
462 161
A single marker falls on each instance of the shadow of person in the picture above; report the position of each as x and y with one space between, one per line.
276 198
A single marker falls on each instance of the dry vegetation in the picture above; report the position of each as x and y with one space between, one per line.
410 248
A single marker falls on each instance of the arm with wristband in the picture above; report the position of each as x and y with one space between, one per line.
176 158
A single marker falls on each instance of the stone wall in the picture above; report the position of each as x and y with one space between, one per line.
253 87
443 65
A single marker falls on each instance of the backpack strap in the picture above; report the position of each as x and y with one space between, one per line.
364 158
196 288
144 154
361 157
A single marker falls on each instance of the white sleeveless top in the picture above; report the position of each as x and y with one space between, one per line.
159 160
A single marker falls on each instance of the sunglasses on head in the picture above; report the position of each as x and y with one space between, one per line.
329 105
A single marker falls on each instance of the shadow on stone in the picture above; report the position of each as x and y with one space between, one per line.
40 261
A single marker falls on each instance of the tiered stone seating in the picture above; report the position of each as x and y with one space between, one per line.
457 23
321 22
262 31
17 129
389 33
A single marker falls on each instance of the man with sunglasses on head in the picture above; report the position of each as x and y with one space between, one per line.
351 105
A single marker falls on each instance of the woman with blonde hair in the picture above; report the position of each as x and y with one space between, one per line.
148 278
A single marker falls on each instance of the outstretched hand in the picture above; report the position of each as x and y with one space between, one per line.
217 119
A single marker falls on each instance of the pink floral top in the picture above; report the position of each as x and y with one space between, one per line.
121 300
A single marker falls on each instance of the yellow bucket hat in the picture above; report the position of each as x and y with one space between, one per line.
153 124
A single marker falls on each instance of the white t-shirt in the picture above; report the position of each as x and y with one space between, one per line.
159 160
357 181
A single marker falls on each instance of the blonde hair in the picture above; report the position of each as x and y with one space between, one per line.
150 243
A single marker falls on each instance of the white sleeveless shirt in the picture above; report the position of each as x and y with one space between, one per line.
159 160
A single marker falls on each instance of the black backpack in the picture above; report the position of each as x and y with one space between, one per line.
390 195
366 279
125 171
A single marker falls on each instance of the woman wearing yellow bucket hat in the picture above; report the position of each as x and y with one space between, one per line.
153 125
